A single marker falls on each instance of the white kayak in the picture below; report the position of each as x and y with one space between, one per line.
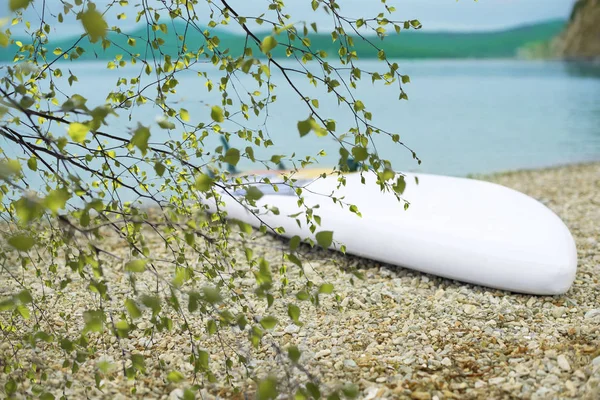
464 229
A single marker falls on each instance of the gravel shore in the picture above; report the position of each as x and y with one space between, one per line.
396 333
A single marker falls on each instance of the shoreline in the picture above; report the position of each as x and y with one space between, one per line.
399 333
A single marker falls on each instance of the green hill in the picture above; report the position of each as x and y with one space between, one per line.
407 44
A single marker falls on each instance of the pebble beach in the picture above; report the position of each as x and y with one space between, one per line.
395 334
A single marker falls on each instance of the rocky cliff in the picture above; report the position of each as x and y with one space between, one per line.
581 38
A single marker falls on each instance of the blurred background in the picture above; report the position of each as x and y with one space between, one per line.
494 85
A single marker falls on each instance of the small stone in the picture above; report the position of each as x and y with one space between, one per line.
291 328
596 361
592 313
371 393
176 394
563 363
469 309
420 395
447 362
350 364
497 380
381 379
479 384
558 312
323 353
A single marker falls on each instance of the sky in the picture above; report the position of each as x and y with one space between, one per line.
435 15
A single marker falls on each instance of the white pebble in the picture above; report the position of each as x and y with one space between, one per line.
176 394
350 364
558 312
497 380
469 309
592 313
323 353
447 362
291 328
563 363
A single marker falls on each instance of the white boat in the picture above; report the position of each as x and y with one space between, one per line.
464 229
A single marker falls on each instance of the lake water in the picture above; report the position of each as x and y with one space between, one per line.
463 117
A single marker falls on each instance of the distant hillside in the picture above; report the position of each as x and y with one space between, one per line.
407 44
581 38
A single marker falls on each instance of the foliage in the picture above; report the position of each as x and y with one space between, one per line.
128 213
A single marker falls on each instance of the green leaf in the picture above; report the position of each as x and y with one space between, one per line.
137 362
136 266
175 376
78 131
24 297
21 242
184 114
151 302
57 199
350 390
302 295
10 386
359 153
268 322
132 309
268 44
212 295
405 79
140 138
4 42
94 320
24 311
211 327
358 106
294 353
165 123
15 5
326 288
294 312
324 238
304 127
294 242
47 396
313 390
400 185
203 182
253 193
28 209
232 156
216 113
159 168
32 163
93 23
267 389
7 304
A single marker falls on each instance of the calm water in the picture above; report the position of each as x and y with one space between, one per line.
462 117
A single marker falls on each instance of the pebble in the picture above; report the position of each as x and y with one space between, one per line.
322 353
558 312
469 309
592 313
446 362
563 363
420 395
291 328
397 327
497 380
